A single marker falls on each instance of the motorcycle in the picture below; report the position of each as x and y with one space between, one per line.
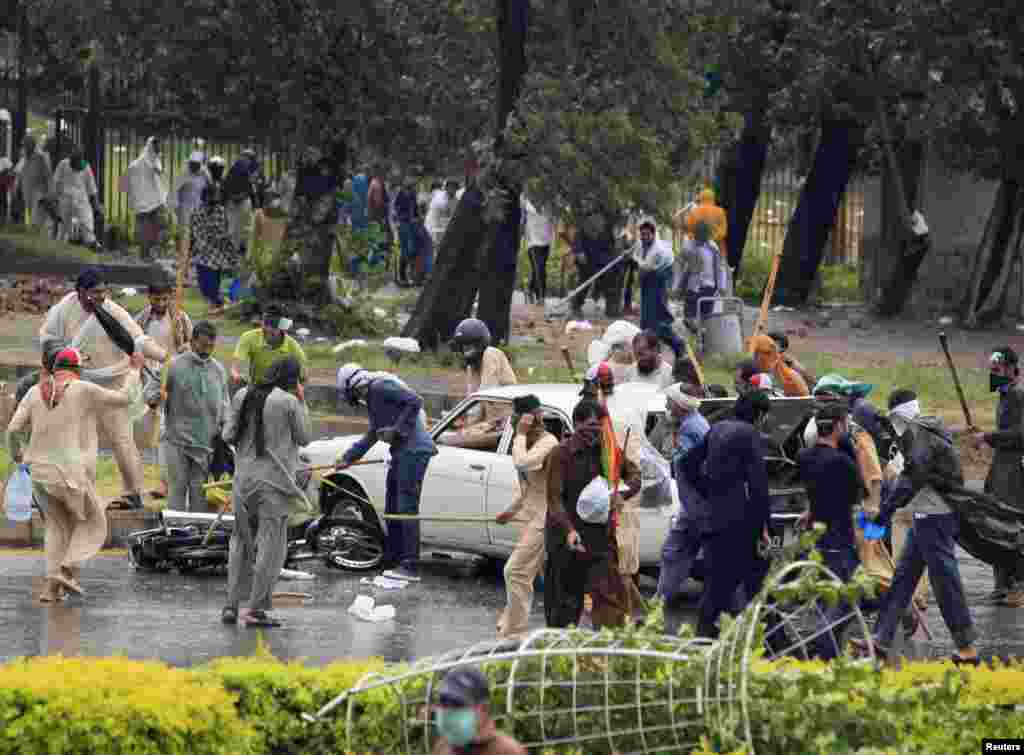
183 541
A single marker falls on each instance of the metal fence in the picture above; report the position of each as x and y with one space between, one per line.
781 185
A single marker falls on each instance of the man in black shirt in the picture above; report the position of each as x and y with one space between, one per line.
829 471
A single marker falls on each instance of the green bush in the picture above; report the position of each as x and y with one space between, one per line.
253 706
839 283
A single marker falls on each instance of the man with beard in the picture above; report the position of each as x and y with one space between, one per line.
268 424
396 418
195 399
530 450
650 367
735 480
932 470
72 320
264 346
768 359
582 553
1006 476
654 259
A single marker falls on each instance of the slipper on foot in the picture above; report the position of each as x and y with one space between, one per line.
229 615
259 619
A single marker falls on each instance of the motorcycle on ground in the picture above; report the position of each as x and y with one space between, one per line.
183 542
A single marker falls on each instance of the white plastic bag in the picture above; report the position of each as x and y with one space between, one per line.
595 501
621 332
18 498
598 351
656 473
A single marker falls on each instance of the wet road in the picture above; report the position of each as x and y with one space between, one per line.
176 618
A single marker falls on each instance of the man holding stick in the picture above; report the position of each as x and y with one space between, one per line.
396 418
73 320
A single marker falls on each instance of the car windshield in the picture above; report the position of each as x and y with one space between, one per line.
479 425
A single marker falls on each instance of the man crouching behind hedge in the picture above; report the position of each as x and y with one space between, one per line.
61 414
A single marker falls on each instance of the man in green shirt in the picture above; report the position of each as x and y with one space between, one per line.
261 347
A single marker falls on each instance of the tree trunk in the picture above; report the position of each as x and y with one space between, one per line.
815 214
899 257
448 296
998 251
751 154
460 273
500 263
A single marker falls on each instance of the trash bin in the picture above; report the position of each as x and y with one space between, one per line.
720 325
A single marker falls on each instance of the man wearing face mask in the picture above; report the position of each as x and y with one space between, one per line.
463 717
932 470
261 347
735 480
1006 476
74 186
195 399
583 553
396 418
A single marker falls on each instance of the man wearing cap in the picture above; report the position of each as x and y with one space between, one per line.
734 477
463 717
396 418
61 415
932 469
599 382
654 259
684 536
530 450
834 487
261 347
71 320
1006 476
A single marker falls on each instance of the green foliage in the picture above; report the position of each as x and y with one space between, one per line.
839 283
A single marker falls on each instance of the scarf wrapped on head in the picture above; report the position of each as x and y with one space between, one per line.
283 374
904 414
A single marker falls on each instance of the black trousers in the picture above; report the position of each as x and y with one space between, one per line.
731 561
539 271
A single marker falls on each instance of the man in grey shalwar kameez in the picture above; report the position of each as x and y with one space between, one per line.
195 397
268 424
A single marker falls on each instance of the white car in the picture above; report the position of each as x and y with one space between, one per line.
472 474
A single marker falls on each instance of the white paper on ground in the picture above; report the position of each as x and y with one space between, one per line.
292 574
364 608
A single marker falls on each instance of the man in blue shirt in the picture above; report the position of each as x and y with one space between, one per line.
683 542
396 418
829 471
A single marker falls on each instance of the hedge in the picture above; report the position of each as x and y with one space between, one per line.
252 706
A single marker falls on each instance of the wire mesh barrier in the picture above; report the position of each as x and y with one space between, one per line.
631 692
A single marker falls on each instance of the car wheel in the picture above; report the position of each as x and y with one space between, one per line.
350 544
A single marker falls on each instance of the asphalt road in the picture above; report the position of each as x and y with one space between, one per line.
176 618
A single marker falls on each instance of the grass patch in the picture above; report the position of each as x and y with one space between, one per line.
839 283
30 242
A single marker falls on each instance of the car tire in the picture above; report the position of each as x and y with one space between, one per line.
350 544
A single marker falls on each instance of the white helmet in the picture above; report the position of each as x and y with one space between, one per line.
351 377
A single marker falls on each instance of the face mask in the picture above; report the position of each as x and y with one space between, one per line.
204 358
995 382
457 725
78 165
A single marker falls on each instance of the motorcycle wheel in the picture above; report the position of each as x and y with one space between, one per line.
350 544
142 562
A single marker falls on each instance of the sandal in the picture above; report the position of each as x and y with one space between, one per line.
959 660
69 584
229 615
862 648
260 619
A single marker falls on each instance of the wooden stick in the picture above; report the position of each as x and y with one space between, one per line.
769 291
568 358
468 519
696 365
317 468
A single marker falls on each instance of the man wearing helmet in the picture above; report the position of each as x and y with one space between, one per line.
486 366
396 418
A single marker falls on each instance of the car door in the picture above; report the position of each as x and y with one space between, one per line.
456 480
503 485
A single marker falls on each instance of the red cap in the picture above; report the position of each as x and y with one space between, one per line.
604 374
68 359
